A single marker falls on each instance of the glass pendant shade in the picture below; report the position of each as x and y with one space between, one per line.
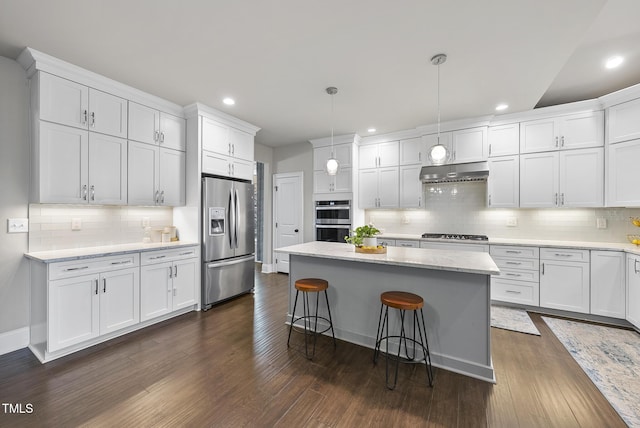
438 154
332 166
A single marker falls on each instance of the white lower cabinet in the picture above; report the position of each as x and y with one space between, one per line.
519 279
633 290
85 306
167 282
454 246
564 279
608 283
227 166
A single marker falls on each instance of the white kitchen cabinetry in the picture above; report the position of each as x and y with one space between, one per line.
151 126
72 104
469 145
633 290
623 122
167 281
379 155
156 175
608 283
90 298
504 140
503 184
407 243
519 279
572 178
622 174
342 181
325 183
410 186
342 153
379 187
79 167
564 279
412 151
574 131
226 151
455 246
387 242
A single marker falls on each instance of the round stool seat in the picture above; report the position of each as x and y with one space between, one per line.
401 300
311 284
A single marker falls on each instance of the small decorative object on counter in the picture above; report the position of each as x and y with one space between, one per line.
635 221
634 239
365 241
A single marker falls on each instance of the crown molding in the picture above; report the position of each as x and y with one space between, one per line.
199 109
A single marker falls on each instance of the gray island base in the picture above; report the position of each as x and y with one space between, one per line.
455 286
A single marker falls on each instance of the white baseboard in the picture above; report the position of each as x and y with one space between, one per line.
268 268
13 340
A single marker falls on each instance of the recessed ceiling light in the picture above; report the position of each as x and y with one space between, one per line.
614 61
229 101
370 130
502 106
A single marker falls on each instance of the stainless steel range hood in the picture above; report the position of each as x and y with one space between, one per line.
472 171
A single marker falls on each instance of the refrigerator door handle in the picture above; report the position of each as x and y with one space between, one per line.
230 262
235 209
232 219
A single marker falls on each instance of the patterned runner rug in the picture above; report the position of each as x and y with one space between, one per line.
610 357
512 319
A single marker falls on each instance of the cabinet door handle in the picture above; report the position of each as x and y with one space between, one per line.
233 150
170 272
562 199
84 192
161 137
96 286
162 197
489 148
93 192
420 156
104 285
93 119
420 201
84 117
542 269
635 265
156 197
562 141
156 136
174 292
175 271
556 141
556 199
229 148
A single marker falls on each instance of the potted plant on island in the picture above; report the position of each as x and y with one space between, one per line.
363 236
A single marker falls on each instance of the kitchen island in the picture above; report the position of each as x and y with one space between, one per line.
455 286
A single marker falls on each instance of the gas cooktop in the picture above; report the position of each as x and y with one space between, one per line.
455 236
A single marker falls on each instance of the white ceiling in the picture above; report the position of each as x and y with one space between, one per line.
277 57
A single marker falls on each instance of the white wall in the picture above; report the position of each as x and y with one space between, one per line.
294 158
14 176
264 154
461 208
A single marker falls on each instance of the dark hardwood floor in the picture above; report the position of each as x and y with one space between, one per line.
231 367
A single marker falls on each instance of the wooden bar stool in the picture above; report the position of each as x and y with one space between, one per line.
403 301
311 285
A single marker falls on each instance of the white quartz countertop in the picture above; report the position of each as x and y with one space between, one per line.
106 250
584 245
458 261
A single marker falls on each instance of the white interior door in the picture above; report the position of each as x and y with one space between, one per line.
287 215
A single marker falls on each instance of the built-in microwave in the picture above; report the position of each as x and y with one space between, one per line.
333 212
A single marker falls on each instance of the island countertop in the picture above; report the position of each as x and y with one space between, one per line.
456 261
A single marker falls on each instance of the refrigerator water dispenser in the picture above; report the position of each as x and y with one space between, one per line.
216 221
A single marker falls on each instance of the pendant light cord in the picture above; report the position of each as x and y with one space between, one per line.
438 103
332 154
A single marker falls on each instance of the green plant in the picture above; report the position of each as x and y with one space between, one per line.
357 235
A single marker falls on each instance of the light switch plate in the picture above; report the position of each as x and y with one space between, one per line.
512 221
601 223
76 224
17 225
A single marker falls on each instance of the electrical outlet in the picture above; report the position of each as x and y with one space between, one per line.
601 223
512 221
17 225
76 224
405 219
145 221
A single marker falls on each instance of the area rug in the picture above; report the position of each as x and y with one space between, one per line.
610 357
512 319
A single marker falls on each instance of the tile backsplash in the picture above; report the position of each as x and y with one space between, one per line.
461 208
50 225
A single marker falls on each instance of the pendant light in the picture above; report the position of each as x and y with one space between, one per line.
332 163
438 153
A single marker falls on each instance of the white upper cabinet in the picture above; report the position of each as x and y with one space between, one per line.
78 167
379 155
504 140
622 174
410 186
342 153
225 140
172 177
156 175
69 103
623 122
379 187
469 145
575 131
151 126
503 184
572 178
412 151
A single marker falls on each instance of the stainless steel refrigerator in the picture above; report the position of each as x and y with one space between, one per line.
228 245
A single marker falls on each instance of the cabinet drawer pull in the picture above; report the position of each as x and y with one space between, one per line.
563 255
513 252
512 274
513 292
513 263
188 253
76 268
124 262
157 257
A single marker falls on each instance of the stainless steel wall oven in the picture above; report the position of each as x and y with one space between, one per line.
333 220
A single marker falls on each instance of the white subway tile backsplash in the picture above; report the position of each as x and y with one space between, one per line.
50 225
461 208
